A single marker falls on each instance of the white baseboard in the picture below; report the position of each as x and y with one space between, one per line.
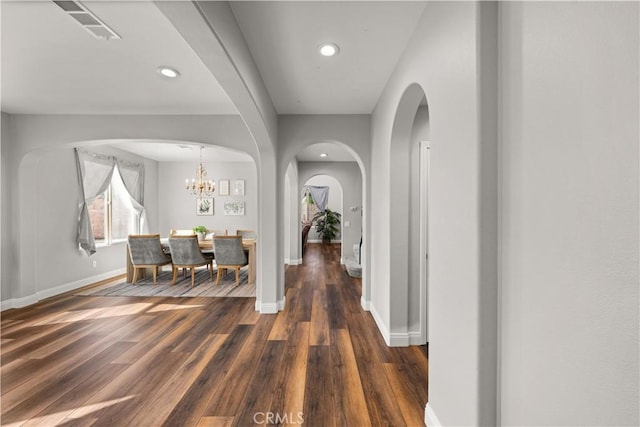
293 261
430 417
381 326
18 302
393 339
267 308
281 303
365 304
48 293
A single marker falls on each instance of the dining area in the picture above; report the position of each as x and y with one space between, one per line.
188 251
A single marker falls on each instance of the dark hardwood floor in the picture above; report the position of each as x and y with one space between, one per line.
140 361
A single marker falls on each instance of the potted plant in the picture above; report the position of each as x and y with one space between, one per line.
327 224
200 230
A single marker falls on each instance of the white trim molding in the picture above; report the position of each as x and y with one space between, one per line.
267 308
381 326
282 303
293 261
405 339
430 417
365 304
48 293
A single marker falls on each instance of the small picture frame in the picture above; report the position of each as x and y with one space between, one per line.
223 187
238 187
234 207
204 206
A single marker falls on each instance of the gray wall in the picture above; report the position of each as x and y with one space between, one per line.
178 207
442 59
57 261
5 242
569 229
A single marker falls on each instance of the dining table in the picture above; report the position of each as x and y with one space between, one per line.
206 246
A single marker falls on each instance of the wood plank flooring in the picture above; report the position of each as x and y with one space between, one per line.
158 361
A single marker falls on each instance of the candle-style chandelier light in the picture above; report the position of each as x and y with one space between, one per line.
201 186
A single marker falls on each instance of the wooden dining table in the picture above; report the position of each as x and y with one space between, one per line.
249 245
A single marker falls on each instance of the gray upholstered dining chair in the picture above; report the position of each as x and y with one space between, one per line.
185 253
145 251
247 234
229 254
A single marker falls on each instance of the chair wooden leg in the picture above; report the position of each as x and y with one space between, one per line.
237 276
175 276
210 266
155 275
193 276
135 275
218 276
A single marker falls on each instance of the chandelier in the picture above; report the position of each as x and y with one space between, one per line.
200 185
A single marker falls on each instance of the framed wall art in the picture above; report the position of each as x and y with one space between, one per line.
238 187
204 206
234 207
223 187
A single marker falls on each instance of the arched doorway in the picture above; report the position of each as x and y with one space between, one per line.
408 238
348 171
51 173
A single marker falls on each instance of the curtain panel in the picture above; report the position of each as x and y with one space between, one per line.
320 196
132 175
94 176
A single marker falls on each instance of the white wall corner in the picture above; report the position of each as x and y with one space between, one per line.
381 326
282 303
430 417
365 304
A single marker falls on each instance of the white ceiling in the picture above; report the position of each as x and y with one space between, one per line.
181 152
51 65
334 152
283 37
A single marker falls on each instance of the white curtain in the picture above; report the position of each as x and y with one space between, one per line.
94 175
132 175
320 196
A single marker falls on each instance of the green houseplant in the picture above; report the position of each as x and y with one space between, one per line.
327 224
200 230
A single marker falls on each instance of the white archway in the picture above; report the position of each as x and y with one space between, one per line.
25 209
408 257
354 207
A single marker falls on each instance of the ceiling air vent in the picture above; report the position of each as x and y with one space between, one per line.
88 20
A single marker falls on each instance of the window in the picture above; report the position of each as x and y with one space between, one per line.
112 214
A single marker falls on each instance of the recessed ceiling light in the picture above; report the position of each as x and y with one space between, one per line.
323 155
328 49
168 72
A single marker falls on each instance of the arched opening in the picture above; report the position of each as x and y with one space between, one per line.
51 173
408 238
335 202
349 175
